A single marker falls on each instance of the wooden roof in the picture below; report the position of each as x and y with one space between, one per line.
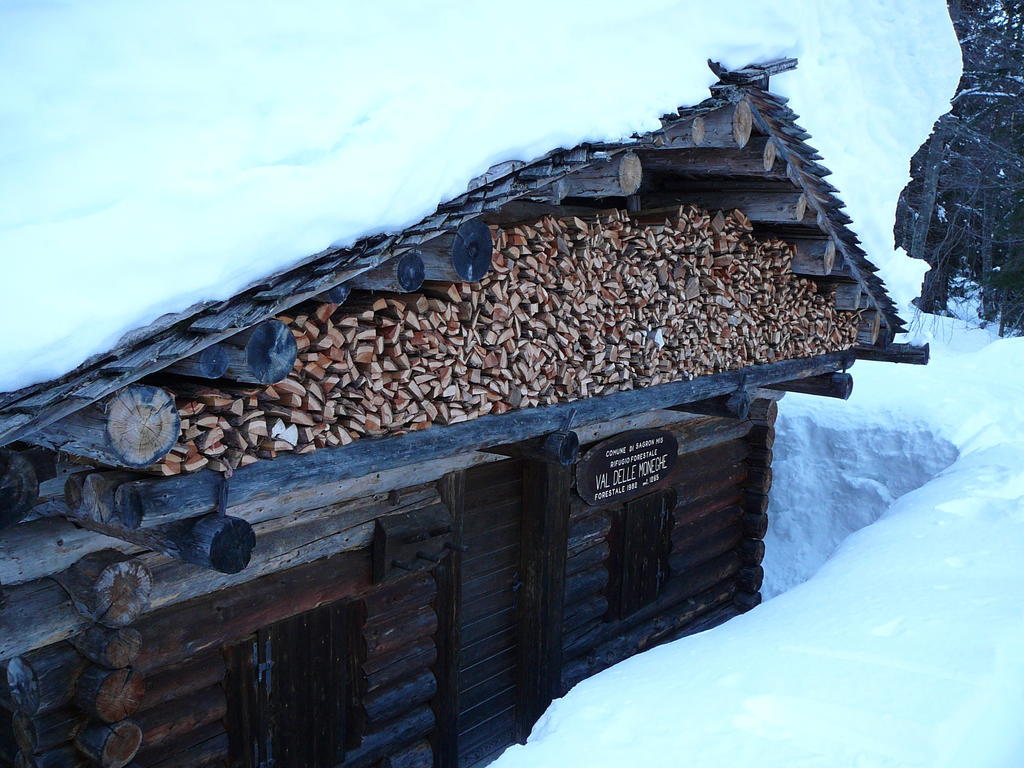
173 337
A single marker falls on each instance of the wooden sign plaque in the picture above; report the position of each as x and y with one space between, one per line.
626 466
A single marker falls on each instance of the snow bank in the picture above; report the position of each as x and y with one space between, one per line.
902 650
159 153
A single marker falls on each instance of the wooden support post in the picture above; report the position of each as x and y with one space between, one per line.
43 680
112 648
220 542
837 385
403 274
210 363
264 354
896 353
134 427
462 257
19 487
813 257
561 447
448 574
617 176
108 587
732 406
545 533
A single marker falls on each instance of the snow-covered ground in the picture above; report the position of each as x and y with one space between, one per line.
155 154
903 647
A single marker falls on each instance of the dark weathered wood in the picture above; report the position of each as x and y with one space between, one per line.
693 553
205 746
337 295
751 551
263 354
210 363
896 353
387 637
108 647
728 127
388 703
813 257
561 447
46 731
108 587
848 295
732 406
545 531
219 542
109 694
750 578
187 496
177 717
134 428
401 275
65 756
177 632
755 525
837 385
585 559
618 645
759 479
464 256
762 435
19 487
617 176
110 746
205 669
693 528
419 755
444 739
399 596
43 680
640 543
391 737
410 541
747 601
870 327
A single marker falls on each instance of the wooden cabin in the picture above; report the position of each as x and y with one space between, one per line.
381 508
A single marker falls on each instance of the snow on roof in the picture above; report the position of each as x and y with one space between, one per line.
154 158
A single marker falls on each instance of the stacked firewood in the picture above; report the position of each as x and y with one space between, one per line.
572 309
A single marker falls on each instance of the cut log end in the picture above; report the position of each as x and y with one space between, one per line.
108 587
19 487
142 425
742 124
630 173
111 746
770 155
222 543
110 694
271 352
563 447
472 251
697 131
210 363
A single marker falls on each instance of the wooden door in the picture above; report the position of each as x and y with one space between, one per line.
488 616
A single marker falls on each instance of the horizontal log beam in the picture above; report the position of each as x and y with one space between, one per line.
910 354
19 487
210 363
727 128
561 447
196 494
760 206
43 680
616 176
135 427
735 405
870 326
336 295
219 542
757 158
403 274
848 295
464 256
837 385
